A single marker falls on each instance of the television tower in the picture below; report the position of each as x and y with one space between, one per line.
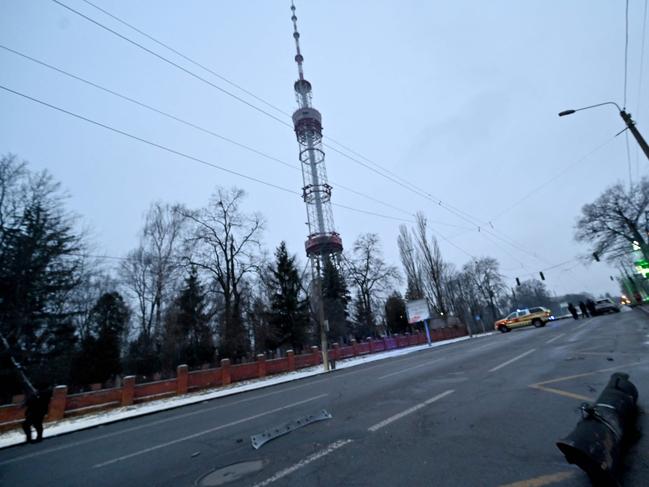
322 242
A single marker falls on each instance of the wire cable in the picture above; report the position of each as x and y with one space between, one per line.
626 50
172 63
461 214
200 128
178 153
639 97
382 172
187 58
551 180
248 92
628 159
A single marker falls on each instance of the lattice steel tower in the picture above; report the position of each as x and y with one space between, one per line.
323 241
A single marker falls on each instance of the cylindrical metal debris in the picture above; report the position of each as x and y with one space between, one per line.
597 443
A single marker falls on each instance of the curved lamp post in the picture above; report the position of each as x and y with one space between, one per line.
627 120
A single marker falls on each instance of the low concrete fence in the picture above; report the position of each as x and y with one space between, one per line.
64 405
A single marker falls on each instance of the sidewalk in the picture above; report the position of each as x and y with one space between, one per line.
64 426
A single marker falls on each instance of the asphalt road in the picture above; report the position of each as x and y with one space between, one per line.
473 413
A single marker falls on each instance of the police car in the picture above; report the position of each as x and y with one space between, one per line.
537 316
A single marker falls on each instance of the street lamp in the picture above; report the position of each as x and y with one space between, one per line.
630 124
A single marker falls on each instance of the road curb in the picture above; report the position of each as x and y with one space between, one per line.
16 437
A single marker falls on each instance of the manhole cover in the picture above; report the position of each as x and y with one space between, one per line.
230 473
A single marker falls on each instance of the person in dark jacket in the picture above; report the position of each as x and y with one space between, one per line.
584 310
590 304
36 407
573 310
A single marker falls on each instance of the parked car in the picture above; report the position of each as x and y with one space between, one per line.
537 316
603 306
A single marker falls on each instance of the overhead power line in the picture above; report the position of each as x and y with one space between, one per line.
149 142
246 91
382 172
639 97
481 226
626 49
188 59
209 132
174 151
551 180
172 63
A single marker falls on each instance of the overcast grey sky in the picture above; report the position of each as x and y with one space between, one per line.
459 98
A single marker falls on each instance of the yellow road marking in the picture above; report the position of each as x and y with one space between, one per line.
563 393
608 369
542 385
542 480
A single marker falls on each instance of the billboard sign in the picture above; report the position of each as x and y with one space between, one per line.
417 311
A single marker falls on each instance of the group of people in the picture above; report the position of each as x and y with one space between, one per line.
587 309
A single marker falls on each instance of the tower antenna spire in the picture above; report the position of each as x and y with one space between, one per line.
296 35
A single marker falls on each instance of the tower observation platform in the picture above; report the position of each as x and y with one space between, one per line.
323 240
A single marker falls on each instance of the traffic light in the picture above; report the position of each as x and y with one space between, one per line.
518 281
542 276
596 256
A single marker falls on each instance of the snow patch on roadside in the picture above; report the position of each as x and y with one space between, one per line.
15 437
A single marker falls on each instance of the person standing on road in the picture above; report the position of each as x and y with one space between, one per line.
36 407
590 304
573 311
584 310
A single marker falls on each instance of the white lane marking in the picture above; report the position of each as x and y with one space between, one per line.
411 410
303 463
518 357
555 338
408 369
205 432
153 423
583 324
484 346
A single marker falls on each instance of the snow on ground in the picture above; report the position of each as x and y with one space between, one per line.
15 437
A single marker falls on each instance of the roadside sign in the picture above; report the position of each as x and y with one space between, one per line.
417 311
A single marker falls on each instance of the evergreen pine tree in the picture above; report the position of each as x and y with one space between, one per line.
395 314
289 313
99 357
188 336
194 322
336 300
38 270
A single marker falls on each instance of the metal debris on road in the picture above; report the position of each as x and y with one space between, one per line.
270 434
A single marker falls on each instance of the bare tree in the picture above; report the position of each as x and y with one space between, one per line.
372 278
533 293
432 265
415 286
613 223
151 270
464 298
488 281
225 244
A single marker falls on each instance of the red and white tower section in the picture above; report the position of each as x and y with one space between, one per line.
323 239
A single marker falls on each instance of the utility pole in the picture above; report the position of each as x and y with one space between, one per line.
321 315
630 123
